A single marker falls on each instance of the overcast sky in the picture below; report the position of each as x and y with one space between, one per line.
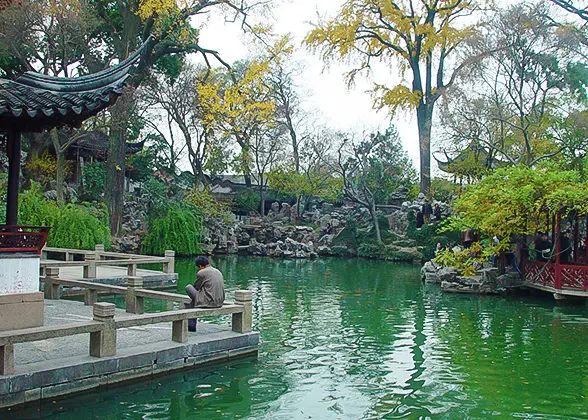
339 107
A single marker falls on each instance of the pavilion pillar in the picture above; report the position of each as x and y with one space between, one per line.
13 151
576 236
557 239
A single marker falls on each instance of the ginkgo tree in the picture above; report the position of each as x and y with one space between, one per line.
418 37
237 103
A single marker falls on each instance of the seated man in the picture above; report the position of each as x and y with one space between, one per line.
208 290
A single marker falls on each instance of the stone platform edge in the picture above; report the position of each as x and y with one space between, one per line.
56 378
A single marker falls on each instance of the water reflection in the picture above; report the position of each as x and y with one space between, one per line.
351 339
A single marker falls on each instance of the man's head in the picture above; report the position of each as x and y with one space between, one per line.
202 262
544 236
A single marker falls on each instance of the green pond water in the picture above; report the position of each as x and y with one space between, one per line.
358 339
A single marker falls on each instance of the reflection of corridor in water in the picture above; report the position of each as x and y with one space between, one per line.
351 339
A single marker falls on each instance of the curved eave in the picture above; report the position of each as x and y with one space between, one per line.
33 110
112 75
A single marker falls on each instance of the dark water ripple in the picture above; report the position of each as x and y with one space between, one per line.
366 340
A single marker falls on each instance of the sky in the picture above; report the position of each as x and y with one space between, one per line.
338 106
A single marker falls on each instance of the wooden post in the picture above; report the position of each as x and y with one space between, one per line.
7 359
557 281
52 290
242 321
103 343
180 331
13 152
90 297
90 269
99 251
134 303
169 266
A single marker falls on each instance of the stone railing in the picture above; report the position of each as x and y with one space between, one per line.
102 328
90 260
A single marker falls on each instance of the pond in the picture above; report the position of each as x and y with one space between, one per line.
359 339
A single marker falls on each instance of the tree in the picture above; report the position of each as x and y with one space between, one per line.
513 201
422 34
238 104
519 97
165 28
570 6
266 149
285 95
314 177
177 98
372 169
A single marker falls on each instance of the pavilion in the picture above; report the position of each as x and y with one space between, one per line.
565 273
33 103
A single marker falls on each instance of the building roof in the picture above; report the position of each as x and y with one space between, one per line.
35 102
95 144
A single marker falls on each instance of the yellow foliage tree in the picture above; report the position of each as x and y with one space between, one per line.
238 103
417 35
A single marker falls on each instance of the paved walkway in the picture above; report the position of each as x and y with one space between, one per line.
66 311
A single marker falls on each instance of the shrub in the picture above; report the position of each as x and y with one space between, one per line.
247 200
46 166
179 229
156 193
72 226
208 205
93 181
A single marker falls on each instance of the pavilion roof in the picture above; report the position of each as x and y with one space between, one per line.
35 102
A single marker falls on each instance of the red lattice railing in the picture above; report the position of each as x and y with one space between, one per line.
574 277
571 276
23 238
541 273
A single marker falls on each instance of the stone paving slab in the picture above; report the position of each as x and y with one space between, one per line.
59 366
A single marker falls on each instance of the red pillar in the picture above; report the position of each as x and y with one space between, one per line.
576 236
557 240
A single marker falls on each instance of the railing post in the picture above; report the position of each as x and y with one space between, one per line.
134 303
52 289
7 359
180 331
90 297
169 266
99 251
132 270
242 321
103 343
90 269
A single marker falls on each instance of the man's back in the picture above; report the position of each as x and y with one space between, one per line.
211 288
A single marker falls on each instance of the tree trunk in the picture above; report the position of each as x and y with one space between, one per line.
115 175
261 200
60 166
372 210
424 121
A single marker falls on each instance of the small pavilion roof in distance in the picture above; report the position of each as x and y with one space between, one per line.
35 102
